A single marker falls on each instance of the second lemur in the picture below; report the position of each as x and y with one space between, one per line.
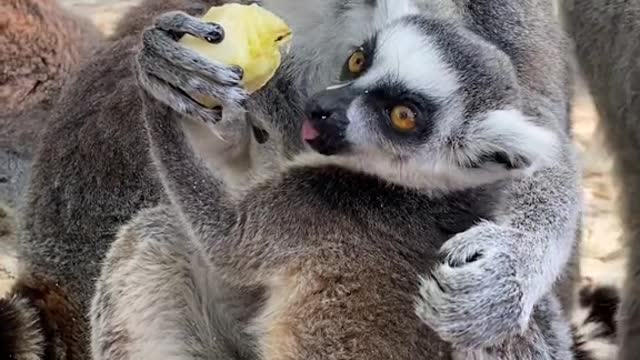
404 158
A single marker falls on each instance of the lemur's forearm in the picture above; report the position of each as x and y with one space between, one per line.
545 207
195 190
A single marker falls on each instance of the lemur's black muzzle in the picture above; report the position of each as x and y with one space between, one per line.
326 124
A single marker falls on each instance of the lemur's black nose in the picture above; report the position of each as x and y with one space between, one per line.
325 129
327 102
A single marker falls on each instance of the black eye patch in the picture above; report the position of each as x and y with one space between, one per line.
387 95
368 51
391 94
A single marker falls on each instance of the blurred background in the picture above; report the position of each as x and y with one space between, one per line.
603 248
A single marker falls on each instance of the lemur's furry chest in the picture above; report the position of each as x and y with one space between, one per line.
345 303
360 246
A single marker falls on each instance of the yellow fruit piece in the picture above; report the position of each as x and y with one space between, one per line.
253 39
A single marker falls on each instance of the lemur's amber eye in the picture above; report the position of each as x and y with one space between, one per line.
403 118
357 62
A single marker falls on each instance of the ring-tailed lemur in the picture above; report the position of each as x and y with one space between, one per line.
330 249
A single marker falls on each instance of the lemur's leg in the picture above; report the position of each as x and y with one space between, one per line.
158 298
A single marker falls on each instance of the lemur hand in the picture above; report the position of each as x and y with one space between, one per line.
477 298
176 75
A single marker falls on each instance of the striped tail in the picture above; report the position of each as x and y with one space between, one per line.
594 321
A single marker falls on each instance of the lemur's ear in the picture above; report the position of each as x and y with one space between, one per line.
508 140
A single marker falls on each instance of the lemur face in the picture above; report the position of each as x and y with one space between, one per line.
430 97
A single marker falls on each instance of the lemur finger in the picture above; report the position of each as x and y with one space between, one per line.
193 85
159 44
179 23
177 100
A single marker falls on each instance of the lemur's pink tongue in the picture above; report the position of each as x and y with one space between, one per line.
308 131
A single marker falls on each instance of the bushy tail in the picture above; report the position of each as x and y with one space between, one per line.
21 334
594 321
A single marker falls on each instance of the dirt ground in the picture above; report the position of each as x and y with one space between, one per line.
603 248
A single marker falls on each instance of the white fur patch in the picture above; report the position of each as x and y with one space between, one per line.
406 55
389 10
510 131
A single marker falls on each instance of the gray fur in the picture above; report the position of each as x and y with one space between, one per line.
606 36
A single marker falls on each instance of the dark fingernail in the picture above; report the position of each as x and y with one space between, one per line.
216 35
260 135
475 257
216 114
